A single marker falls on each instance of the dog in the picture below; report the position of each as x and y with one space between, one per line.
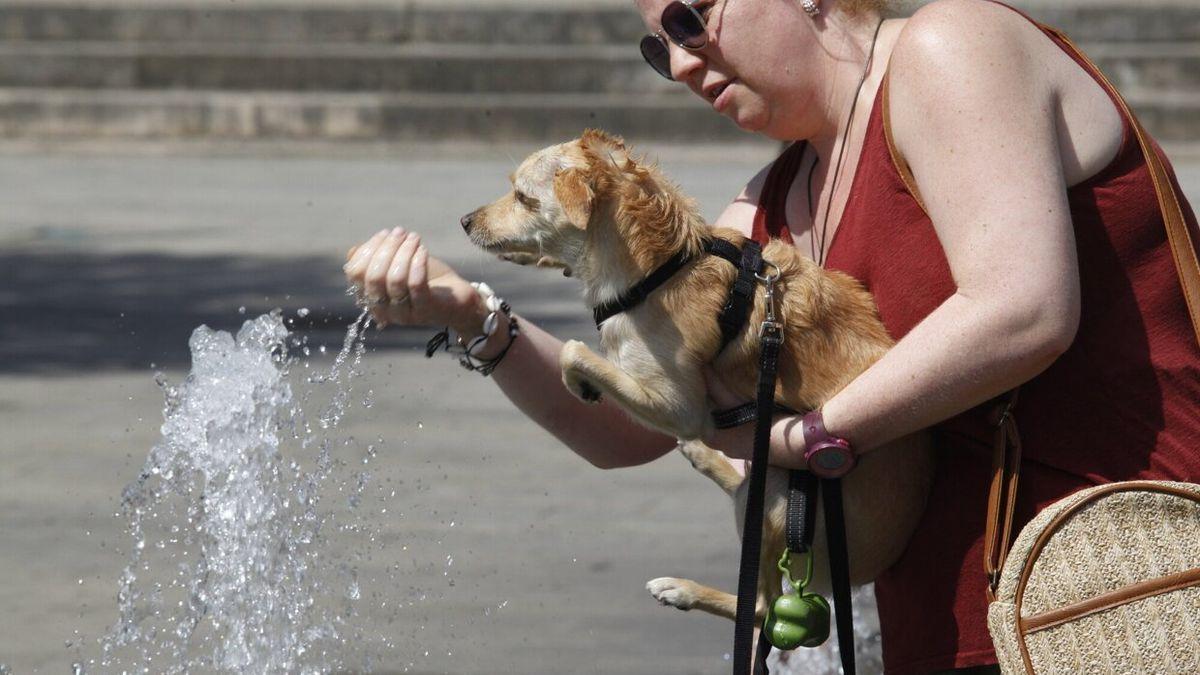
594 210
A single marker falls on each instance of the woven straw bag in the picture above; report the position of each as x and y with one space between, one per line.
1106 580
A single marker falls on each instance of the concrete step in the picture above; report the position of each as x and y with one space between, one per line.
487 23
218 115
333 67
427 67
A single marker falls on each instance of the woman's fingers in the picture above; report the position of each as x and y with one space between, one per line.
399 266
418 282
357 265
378 270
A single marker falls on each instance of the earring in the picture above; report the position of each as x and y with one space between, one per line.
810 7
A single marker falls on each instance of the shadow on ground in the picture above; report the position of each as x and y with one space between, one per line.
74 311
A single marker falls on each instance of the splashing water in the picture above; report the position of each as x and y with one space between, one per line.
224 571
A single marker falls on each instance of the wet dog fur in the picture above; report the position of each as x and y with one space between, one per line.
592 209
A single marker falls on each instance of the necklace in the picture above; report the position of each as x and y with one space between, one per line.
817 245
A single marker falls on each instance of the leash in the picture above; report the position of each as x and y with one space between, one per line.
771 337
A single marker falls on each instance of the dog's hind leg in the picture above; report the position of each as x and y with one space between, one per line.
686 594
713 464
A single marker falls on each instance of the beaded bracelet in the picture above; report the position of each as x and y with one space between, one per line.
466 350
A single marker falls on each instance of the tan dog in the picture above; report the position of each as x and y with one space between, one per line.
590 207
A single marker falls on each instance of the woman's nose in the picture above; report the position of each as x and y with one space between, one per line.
684 62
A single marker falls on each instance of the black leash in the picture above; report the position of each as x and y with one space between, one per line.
839 570
771 337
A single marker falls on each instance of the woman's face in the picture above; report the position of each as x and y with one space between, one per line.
746 70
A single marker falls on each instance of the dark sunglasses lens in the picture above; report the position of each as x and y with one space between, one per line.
682 24
654 50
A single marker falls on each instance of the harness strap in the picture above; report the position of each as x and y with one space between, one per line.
747 260
640 291
741 295
744 414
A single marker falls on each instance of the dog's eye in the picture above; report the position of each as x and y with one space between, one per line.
526 200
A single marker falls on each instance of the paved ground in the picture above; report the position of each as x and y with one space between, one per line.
109 260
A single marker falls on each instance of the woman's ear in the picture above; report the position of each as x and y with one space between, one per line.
575 196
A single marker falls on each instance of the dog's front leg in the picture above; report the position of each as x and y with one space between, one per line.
590 377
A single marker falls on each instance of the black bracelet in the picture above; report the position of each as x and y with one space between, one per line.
441 342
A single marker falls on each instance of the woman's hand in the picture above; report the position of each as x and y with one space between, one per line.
737 442
405 286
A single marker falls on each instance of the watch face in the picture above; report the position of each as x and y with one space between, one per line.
831 461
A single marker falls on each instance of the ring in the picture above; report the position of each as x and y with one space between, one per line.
399 301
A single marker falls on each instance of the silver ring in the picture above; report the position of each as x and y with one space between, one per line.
769 278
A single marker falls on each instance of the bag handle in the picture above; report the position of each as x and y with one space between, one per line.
1006 453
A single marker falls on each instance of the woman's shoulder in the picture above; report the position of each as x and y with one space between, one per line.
966 67
959 36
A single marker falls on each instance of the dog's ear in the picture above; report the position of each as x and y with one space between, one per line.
575 196
604 147
599 137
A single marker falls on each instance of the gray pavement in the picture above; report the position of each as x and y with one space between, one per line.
110 258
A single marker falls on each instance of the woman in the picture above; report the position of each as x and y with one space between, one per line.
1023 246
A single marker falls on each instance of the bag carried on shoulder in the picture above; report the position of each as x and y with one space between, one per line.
1106 580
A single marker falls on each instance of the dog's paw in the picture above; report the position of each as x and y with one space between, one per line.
699 454
674 592
573 354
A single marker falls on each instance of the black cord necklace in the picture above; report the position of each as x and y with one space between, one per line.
817 245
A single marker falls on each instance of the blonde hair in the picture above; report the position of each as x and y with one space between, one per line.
860 6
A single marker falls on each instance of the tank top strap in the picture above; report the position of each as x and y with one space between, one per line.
770 219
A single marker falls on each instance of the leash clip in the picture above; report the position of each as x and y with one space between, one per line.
769 324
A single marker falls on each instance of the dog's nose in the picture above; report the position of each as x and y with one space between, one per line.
467 221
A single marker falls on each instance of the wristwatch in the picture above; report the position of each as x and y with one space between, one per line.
827 456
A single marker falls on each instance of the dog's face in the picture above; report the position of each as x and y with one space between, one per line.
544 218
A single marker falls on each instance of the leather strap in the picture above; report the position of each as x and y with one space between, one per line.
1002 493
1106 601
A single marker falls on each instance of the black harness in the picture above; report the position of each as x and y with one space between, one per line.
748 261
803 486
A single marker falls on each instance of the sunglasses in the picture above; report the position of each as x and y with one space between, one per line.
684 25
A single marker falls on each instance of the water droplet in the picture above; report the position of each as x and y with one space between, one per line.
303 312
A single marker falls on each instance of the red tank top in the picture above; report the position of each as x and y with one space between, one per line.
1120 404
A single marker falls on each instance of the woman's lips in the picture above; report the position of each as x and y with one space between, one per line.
721 95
